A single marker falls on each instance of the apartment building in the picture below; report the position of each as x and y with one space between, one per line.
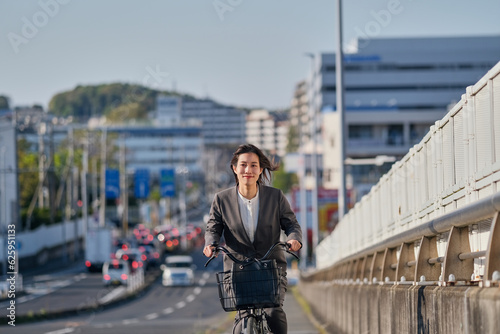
268 130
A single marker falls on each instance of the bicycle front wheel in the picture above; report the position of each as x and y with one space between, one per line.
250 326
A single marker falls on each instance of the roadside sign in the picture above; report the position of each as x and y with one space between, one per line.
112 187
167 182
141 183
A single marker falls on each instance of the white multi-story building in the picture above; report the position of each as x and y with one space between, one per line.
395 89
299 115
221 125
158 147
268 130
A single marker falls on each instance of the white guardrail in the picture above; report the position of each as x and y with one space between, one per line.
457 163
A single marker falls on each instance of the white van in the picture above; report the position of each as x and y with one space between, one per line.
178 270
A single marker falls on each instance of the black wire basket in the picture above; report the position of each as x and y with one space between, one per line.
249 289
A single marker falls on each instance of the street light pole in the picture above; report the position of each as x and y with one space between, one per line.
123 184
84 193
303 205
339 72
314 157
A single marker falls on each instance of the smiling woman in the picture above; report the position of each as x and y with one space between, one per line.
250 154
251 216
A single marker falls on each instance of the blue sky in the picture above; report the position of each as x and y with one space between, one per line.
241 52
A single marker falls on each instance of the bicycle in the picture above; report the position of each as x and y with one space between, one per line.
252 285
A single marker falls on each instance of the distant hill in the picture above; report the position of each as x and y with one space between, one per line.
115 101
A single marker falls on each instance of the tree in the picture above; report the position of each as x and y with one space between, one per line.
28 172
293 139
126 112
283 180
84 102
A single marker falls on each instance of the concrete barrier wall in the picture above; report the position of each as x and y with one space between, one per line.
46 243
381 309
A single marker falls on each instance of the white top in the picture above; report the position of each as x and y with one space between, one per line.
249 210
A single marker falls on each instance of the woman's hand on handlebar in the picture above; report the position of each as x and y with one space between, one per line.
294 245
209 250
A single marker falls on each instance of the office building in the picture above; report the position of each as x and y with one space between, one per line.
221 125
395 89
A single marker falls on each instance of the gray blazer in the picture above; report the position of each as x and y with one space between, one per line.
275 215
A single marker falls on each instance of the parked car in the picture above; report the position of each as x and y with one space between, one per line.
115 272
178 270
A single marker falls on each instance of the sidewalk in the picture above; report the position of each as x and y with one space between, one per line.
298 321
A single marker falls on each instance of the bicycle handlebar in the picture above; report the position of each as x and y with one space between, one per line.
218 248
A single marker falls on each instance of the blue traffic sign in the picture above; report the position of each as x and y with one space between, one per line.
141 183
112 187
167 182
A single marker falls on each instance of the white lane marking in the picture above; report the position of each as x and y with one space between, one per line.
130 321
190 298
113 294
62 284
197 291
24 299
78 278
43 285
62 331
180 304
168 310
204 278
152 316
106 325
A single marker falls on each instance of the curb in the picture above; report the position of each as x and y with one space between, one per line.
307 310
27 318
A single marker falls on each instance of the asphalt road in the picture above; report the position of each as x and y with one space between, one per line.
158 309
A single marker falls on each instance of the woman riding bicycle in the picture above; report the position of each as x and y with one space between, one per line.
251 217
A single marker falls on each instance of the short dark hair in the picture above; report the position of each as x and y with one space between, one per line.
267 165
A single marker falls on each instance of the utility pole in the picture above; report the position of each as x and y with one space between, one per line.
85 168
182 200
102 196
314 157
339 71
123 185
17 208
94 186
51 178
304 251
69 192
41 162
